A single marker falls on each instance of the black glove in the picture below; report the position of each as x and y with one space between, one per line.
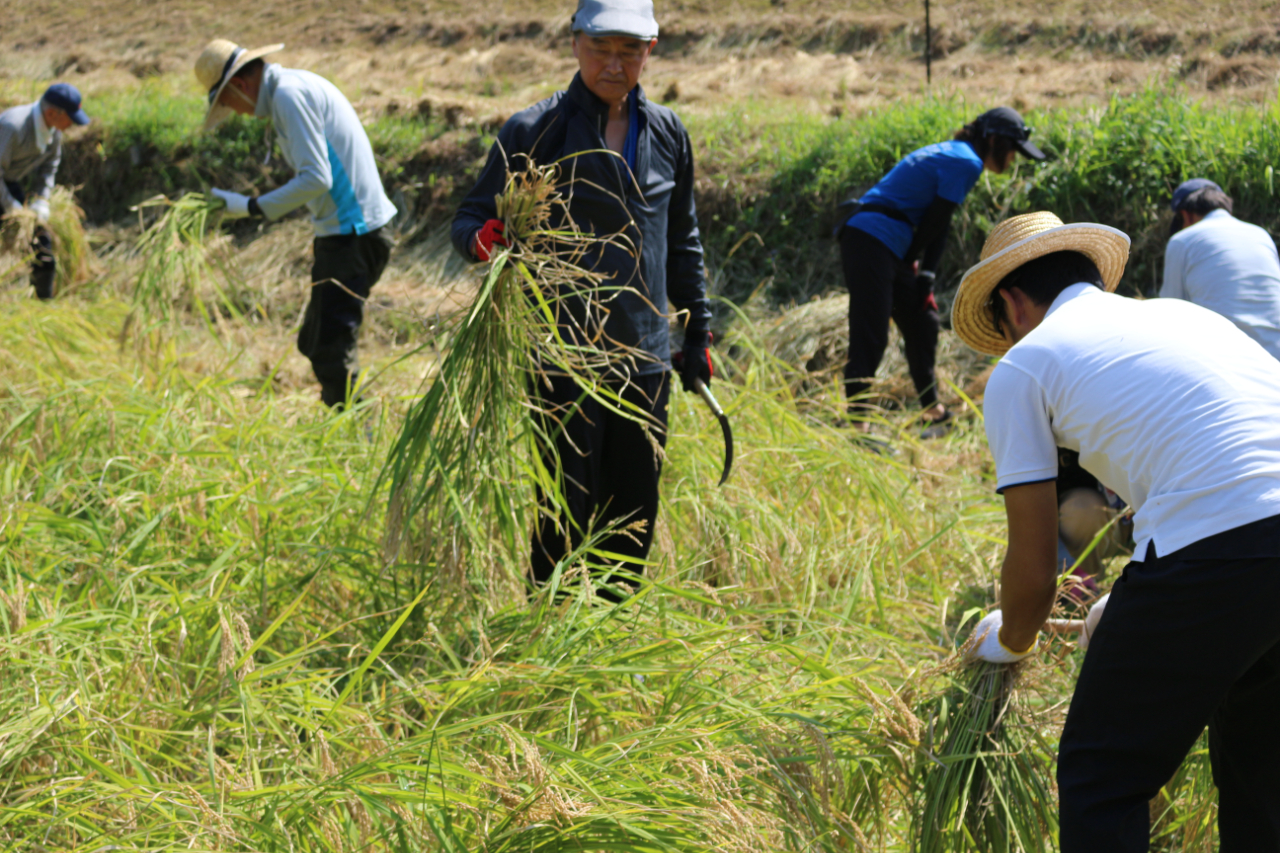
924 290
694 361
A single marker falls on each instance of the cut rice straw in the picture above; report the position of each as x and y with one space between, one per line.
177 260
469 450
988 781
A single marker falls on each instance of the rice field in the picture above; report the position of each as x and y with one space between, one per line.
232 620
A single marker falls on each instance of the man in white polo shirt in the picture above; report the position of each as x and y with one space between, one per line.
1178 411
1223 264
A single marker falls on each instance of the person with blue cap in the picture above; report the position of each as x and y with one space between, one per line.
891 247
1223 264
336 179
30 151
628 172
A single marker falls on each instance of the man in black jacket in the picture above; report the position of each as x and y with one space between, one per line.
643 193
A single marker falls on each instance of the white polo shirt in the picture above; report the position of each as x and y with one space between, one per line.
1230 267
1168 404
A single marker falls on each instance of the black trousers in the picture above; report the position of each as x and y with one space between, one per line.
880 287
43 266
610 470
346 268
1187 640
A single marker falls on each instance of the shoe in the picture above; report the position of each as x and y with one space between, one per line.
939 428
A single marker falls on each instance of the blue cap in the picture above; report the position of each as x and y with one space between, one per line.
65 97
631 18
1186 188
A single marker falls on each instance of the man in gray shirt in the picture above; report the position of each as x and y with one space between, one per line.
1223 264
30 150
336 178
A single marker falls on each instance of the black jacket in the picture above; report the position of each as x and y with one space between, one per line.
659 218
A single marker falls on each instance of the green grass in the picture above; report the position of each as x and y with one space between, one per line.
208 647
1116 163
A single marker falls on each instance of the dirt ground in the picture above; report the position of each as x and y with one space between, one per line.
833 56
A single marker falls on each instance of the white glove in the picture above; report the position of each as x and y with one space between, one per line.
985 643
1091 621
237 205
40 207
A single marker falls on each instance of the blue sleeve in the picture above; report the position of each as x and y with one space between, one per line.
956 176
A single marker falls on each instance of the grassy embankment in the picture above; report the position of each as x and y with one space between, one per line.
766 169
207 647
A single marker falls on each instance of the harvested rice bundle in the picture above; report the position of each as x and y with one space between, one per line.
70 243
988 776
464 465
178 261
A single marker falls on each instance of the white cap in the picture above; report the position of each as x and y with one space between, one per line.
633 18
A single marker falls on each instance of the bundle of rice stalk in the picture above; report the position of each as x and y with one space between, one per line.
178 260
70 243
461 472
988 775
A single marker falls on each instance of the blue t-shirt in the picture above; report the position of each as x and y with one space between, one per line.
945 170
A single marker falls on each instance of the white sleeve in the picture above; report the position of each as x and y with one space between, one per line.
308 153
1175 278
1018 428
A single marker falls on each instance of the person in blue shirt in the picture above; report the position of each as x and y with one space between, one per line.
891 246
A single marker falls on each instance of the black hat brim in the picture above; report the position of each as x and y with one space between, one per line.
1028 149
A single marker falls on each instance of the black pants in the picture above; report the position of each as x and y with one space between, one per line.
1187 640
881 286
610 470
346 268
43 265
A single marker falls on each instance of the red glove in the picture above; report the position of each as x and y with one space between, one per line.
488 237
694 361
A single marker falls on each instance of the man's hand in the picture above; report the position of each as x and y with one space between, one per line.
694 362
985 643
487 237
11 206
1029 579
1091 621
40 207
237 205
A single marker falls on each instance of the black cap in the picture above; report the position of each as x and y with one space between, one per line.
1005 121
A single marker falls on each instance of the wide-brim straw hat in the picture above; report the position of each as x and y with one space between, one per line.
217 64
1016 241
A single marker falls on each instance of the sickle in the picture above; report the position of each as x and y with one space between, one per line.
709 398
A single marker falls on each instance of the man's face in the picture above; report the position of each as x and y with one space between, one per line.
611 65
56 118
240 95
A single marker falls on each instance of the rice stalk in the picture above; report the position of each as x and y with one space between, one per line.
177 260
70 243
466 460
987 784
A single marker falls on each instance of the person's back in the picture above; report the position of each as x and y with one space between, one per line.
345 193
1199 451
1232 268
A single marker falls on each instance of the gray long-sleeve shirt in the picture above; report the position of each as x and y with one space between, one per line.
322 138
21 155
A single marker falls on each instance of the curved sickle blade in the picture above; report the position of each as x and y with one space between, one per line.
712 404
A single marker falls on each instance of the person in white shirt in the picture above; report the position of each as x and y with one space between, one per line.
1223 264
1178 411
322 139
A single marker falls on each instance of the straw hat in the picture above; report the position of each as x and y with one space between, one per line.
1016 241
218 63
